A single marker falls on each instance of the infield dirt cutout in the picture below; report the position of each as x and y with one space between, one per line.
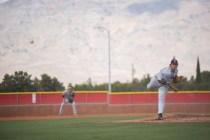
168 118
172 118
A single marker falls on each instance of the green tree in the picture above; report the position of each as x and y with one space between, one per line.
205 76
85 85
19 82
101 86
36 84
50 84
143 83
134 84
198 72
57 86
119 87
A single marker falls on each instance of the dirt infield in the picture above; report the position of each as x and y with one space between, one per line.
150 117
184 112
39 110
170 118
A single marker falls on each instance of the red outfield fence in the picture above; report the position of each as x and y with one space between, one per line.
133 98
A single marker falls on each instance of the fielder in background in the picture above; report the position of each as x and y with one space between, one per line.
68 96
163 80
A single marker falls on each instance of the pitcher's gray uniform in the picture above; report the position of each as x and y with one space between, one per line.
68 96
162 80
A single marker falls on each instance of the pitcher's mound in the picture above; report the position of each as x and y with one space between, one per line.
173 118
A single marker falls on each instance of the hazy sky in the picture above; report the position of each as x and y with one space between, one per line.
61 38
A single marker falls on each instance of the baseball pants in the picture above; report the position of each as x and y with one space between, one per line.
65 100
162 91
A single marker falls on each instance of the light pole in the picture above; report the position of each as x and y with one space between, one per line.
109 58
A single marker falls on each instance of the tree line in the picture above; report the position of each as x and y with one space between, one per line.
21 82
141 85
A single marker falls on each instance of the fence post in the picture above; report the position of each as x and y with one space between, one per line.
86 97
17 98
40 98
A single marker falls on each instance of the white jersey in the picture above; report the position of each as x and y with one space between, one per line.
161 81
69 94
166 75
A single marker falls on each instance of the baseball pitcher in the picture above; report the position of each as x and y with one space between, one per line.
68 96
163 80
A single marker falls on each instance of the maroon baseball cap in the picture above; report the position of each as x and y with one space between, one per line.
174 62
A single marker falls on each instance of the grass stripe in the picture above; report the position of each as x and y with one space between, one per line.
87 128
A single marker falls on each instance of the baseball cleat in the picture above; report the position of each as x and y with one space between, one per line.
160 116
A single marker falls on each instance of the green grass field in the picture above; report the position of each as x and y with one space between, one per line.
90 129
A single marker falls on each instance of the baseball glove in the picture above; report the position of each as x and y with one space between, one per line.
177 79
70 100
